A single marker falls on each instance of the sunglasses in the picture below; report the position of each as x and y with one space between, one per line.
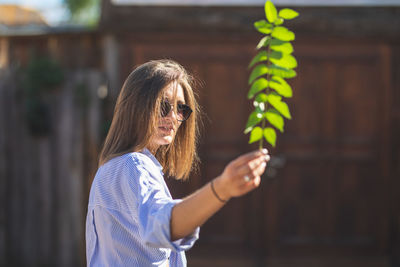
182 111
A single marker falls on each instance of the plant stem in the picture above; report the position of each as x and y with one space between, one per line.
261 144
262 138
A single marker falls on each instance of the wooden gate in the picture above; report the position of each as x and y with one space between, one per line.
326 191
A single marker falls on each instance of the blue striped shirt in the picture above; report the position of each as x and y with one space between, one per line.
129 212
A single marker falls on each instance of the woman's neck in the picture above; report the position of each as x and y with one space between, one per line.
152 149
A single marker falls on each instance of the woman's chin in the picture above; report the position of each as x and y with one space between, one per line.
168 140
162 140
165 140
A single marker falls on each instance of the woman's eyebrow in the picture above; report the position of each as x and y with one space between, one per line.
179 101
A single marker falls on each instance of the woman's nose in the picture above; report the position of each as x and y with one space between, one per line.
172 114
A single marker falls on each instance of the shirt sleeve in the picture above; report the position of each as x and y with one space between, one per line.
154 208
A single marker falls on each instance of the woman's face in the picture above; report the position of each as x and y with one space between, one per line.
168 125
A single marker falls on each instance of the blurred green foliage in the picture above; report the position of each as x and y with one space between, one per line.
84 12
41 76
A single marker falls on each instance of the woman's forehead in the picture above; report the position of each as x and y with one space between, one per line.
174 90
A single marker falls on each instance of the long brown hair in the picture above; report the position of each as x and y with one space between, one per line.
137 111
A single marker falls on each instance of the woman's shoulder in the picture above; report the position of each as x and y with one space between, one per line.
118 169
131 163
133 157
138 157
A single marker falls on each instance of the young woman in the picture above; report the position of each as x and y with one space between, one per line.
132 219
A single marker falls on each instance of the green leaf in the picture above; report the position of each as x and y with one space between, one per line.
270 11
276 101
255 135
278 21
288 13
254 118
275 55
270 136
261 98
263 26
258 71
257 86
282 46
286 61
264 42
281 72
283 34
280 86
275 119
261 56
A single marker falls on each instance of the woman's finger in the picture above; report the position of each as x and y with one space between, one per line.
249 157
253 183
249 168
257 181
261 168
255 173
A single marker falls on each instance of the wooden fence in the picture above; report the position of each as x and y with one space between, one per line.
337 195
44 177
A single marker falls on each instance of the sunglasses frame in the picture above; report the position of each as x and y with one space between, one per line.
180 110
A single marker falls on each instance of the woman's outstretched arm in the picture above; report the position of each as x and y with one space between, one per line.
198 207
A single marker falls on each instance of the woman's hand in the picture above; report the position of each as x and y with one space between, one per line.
241 175
231 183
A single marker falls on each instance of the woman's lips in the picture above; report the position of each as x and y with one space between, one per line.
166 129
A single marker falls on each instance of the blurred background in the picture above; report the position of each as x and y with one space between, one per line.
331 195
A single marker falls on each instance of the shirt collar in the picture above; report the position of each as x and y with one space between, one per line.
151 156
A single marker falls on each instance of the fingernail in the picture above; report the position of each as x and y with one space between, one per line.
267 158
265 151
263 164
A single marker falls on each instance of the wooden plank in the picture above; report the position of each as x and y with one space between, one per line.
4 161
349 22
395 152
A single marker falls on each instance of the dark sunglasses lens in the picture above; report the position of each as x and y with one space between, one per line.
184 111
165 108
